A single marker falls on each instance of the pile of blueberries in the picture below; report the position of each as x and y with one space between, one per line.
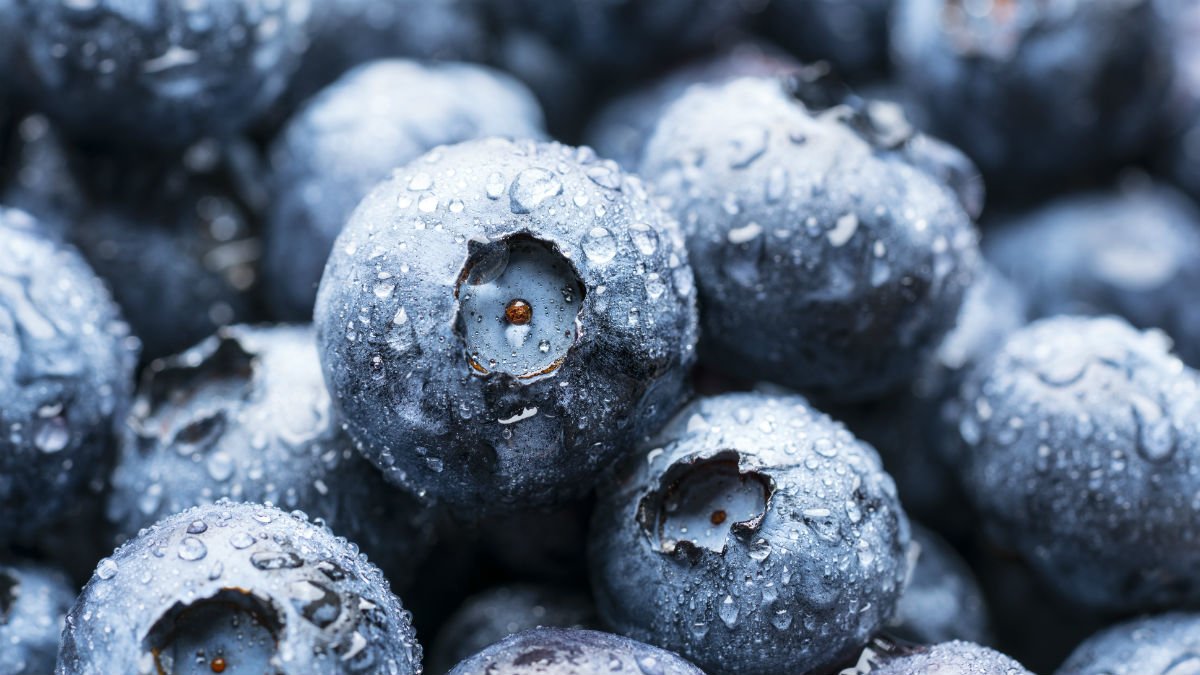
599 337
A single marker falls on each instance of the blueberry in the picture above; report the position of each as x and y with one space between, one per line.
345 33
40 176
237 588
850 34
1167 644
1037 94
499 320
9 39
572 652
1180 156
66 363
178 272
563 90
942 600
1078 451
828 256
245 415
33 602
621 128
352 135
616 40
752 535
915 428
950 657
160 73
491 616
1079 255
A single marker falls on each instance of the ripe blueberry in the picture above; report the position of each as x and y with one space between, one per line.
752 535
245 415
66 367
160 74
1079 450
239 589
829 253
1036 93
434 382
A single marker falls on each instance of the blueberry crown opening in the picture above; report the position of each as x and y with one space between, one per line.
519 300
232 632
182 394
700 501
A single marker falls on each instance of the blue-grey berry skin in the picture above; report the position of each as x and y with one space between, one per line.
1165 644
1133 252
849 34
9 39
563 90
500 320
1180 155
493 615
345 33
942 600
950 658
611 40
245 415
160 73
39 177
752 535
66 374
916 428
1080 452
178 273
1038 94
241 589
623 126
33 602
566 651
352 135
828 256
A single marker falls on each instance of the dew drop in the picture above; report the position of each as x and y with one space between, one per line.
51 434
220 466
107 568
192 548
241 540
843 231
1155 432
606 175
728 611
275 560
655 288
644 238
420 182
781 619
531 188
494 186
599 245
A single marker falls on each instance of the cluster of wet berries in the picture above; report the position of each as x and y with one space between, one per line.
615 337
